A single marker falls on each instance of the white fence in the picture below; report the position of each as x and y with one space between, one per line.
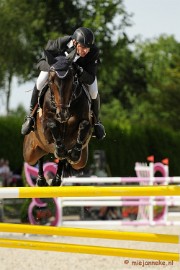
146 205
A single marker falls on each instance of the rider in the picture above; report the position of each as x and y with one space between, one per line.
85 64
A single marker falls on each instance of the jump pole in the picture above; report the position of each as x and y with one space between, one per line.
86 191
110 180
89 233
96 250
120 203
95 223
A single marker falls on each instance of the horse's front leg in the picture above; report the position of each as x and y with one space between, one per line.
60 151
41 181
58 177
84 129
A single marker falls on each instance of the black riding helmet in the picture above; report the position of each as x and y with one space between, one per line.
84 36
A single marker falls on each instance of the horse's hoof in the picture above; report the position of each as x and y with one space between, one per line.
74 156
41 182
56 183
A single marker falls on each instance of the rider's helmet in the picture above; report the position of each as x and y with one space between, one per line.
84 36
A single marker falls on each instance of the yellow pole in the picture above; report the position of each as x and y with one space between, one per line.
105 251
91 191
89 233
88 191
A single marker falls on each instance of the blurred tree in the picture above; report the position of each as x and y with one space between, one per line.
127 74
160 104
26 26
142 83
18 112
14 49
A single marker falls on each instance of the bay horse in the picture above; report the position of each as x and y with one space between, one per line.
63 126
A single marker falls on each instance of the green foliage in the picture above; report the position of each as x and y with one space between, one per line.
123 74
19 112
112 113
123 146
11 141
160 104
26 26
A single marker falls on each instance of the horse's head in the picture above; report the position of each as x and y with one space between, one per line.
61 85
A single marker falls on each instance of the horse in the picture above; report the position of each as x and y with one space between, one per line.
63 126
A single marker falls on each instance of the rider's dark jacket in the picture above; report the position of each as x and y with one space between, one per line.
59 46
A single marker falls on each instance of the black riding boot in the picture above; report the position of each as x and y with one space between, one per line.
27 127
99 130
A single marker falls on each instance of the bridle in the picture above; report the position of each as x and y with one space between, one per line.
57 85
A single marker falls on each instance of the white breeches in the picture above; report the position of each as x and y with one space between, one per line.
43 79
93 89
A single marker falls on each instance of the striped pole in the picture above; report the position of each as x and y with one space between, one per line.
120 203
112 223
86 191
110 180
97 250
89 233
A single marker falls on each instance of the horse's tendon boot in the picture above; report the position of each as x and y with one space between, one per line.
41 181
56 181
75 153
60 151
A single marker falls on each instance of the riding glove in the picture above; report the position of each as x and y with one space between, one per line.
78 70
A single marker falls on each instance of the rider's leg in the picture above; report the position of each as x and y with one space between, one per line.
27 127
98 127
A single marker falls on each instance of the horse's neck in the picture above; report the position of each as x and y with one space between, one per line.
80 89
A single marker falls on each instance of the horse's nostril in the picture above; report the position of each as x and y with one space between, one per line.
62 116
58 116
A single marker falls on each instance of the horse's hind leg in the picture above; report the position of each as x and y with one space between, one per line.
41 181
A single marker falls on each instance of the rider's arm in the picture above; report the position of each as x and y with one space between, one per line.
55 47
52 50
89 67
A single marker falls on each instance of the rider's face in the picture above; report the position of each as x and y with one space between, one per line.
81 50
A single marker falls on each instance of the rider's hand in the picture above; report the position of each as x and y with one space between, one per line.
78 70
